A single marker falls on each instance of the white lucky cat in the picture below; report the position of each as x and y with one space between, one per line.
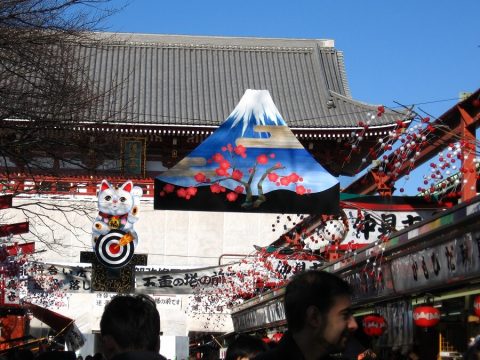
118 209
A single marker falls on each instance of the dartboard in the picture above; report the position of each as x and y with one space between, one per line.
109 253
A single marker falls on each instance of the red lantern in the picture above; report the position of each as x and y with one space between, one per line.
277 336
426 316
374 325
476 305
266 340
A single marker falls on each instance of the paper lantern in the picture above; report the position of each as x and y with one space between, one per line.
426 316
374 325
476 305
334 231
277 336
266 340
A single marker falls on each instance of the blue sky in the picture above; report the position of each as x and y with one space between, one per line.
408 51
412 51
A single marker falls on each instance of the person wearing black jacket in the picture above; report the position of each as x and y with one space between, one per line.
130 329
319 318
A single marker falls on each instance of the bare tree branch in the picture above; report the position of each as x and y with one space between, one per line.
46 90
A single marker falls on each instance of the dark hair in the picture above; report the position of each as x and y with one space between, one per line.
57 355
245 346
19 354
473 352
309 288
132 321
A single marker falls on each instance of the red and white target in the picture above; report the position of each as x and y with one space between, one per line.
110 253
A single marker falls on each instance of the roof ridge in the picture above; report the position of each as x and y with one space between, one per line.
211 46
214 40
366 105
343 74
353 101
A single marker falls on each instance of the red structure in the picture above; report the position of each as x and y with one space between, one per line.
374 325
14 229
426 316
13 324
476 305
13 318
457 124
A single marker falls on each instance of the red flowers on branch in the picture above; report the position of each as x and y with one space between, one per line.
226 170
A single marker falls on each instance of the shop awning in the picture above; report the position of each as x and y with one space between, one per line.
62 325
56 321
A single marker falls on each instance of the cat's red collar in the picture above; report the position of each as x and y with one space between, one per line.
103 215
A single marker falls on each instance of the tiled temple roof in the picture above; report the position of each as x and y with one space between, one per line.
197 81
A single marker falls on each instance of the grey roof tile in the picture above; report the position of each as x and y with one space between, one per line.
192 80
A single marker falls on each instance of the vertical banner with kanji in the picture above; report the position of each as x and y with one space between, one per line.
133 156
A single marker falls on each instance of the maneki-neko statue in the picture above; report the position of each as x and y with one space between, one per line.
113 235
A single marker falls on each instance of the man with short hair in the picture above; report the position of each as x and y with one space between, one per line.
245 347
319 318
130 328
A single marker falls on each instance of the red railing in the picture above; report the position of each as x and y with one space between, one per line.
65 185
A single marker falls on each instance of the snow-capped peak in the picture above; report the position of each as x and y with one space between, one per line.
259 105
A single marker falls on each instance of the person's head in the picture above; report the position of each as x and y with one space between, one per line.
130 323
473 352
245 347
367 355
19 354
412 355
317 308
56 355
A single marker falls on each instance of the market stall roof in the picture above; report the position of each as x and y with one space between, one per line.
56 321
62 325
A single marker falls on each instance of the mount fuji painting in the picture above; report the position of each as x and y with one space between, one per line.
251 163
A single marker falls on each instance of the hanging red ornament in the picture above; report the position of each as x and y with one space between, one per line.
277 336
426 316
266 340
374 325
476 305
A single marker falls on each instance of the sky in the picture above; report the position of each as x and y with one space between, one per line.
423 52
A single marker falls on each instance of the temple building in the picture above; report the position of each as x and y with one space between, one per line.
162 95
170 92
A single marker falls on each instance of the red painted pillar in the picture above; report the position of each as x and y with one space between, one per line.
469 169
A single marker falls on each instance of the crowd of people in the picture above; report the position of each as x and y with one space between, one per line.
318 313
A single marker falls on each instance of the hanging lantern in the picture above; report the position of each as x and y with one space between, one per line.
476 305
334 230
426 316
277 336
374 325
266 340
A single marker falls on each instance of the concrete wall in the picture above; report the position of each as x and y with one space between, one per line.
170 238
